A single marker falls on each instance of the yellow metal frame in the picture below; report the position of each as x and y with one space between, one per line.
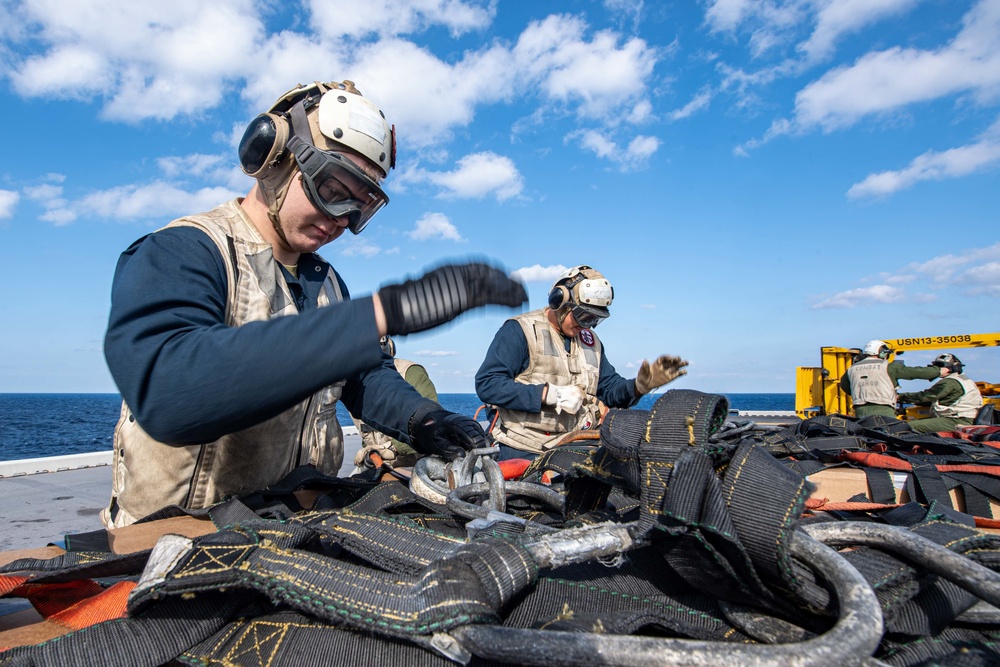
817 389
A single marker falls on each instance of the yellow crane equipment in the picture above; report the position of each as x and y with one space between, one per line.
817 388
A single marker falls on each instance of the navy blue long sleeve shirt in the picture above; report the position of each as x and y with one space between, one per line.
508 357
189 378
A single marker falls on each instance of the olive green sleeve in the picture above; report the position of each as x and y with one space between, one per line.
899 371
946 392
417 376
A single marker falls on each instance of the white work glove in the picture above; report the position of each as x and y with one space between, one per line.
652 375
566 399
362 461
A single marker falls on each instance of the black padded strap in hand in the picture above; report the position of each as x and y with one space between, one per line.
445 293
444 433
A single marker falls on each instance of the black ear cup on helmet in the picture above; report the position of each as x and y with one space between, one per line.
559 297
263 144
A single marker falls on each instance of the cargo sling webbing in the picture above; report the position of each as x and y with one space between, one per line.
712 551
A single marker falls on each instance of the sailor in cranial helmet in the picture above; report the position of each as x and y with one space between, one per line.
231 340
954 399
547 373
872 380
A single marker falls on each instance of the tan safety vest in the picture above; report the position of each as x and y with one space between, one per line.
965 407
550 363
870 382
149 475
369 436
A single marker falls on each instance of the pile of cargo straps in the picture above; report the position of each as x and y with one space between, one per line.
937 469
665 542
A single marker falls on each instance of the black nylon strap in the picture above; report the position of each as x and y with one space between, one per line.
880 485
468 587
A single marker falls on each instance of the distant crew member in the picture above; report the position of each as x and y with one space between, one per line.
546 372
872 381
395 452
954 400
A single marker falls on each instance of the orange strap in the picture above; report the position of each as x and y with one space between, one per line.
514 468
107 605
9 582
577 436
871 460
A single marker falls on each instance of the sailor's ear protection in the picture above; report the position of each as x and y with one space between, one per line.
558 297
263 144
562 294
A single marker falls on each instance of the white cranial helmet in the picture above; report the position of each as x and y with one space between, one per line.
346 118
877 348
587 286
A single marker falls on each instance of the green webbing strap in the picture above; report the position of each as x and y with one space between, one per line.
393 544
468 587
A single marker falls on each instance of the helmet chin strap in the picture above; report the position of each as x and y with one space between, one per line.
274 204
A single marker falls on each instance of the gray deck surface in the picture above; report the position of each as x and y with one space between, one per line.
39 509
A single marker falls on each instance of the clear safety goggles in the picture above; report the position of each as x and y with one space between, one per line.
589 317
338 187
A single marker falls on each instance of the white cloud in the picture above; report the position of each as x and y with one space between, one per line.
641 149
726 15
840 17
635 156
861 296
537 273
59 217
157 200
886 81
982 279
8 202
555 53
355 246
436 353
146 60
973 272
697 103
337 18
934 165
626 9
476 176
44 192
159 61
950 268
435 226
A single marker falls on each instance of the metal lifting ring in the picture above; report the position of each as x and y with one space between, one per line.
962 571
424 479
458 499
852 640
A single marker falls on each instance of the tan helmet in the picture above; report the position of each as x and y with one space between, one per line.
333 117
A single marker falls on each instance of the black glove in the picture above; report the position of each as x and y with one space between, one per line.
445 293
445 434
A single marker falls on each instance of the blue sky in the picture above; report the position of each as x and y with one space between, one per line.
756 179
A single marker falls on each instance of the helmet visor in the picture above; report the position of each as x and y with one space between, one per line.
338 187
587 316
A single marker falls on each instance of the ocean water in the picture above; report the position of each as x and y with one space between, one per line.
36 425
